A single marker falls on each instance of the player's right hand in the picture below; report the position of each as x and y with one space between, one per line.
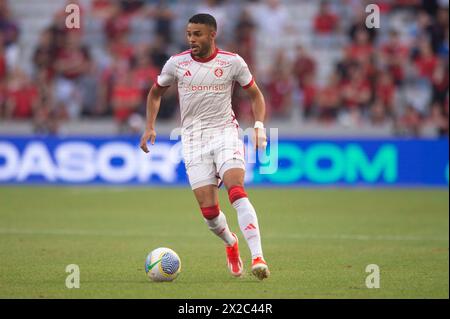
149 134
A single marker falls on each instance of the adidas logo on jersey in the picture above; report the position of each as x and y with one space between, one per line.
188 73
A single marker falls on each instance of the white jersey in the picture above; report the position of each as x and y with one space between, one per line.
205 87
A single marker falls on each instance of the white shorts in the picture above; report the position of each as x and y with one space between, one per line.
209 154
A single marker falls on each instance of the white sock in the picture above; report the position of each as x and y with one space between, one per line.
248 222
220 227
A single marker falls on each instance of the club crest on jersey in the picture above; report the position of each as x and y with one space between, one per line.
218 72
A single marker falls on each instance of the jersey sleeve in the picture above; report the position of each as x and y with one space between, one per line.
243 75
168 74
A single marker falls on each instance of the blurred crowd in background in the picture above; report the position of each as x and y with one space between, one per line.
395 75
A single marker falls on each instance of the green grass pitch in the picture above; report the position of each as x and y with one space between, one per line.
317 242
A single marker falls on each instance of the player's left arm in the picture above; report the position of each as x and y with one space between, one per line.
259 113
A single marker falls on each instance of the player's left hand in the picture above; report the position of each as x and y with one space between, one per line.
149 134
259 136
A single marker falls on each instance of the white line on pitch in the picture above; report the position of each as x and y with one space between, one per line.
79 232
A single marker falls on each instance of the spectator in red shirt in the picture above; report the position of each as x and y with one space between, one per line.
427 61
325 25
73 59
361 48
118 21
393 48
359 24
121 47
368 68
144 72
329 99
44 54
325 22
126 97
393 55
72 64
356 92
304 66
279 91
103 9
21 96
385 90
309 94
440 81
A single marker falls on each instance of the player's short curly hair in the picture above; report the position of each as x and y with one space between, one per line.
204 18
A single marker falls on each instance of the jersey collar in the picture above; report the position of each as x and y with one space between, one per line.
204 60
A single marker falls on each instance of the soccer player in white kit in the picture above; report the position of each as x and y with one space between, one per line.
212 149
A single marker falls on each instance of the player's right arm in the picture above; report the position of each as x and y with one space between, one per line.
153 104
165 79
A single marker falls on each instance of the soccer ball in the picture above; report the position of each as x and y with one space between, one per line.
162 264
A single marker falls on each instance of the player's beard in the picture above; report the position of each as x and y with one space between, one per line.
203 51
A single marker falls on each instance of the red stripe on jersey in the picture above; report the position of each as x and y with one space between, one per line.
227 53
245 87
183 53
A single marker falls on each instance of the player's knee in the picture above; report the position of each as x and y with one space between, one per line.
236 192
229 183
206 201
210 212
233 177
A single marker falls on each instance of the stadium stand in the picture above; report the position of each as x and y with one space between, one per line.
322 71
